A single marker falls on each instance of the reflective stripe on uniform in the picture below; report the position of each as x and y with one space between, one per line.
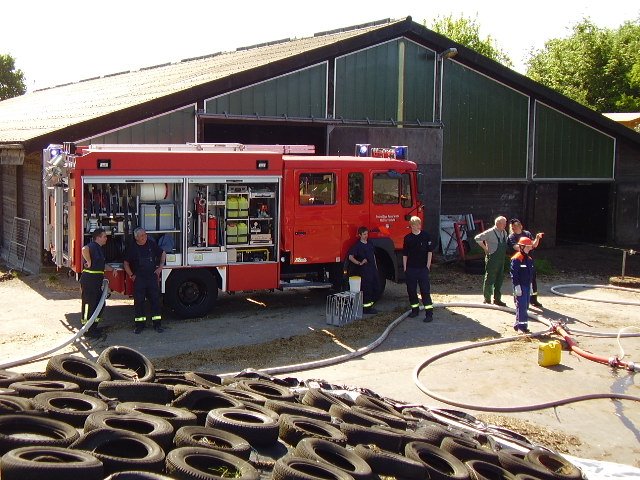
368 304
428 307
415 305
156 317
93 271
140 319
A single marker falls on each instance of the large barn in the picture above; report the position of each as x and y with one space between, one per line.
489 140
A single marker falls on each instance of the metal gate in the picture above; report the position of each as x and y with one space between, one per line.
18 242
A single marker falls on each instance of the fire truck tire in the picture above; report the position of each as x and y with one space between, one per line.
206 463
192 292
291 467
50 463
28 430
13 404
124 363
70 407
214 438
177 417
86 373
120 450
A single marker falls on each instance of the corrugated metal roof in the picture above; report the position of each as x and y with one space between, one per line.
45 111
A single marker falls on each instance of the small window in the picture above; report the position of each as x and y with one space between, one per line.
386 190
356 188
405 194
317 189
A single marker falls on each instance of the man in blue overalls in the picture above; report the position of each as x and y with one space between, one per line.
143 264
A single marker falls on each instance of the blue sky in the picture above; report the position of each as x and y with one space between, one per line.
69 40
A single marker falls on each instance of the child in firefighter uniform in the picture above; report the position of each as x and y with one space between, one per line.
144 265
362 256
522 274
91 279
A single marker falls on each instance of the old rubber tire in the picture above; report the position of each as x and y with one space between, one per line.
466 449
177 417
554 463
7 378
134 391
386 463
192 292
369 401
214 438
327 452
201 401
291 467
294 428
119 450
137 475
244 396
204 379
514 462
124 363
391 440
70 407
318 398
31 388
154 428
28 430
201 463
480 470
440 465
348 414
71 368
393 420
12 404
257 428
49 463
267 389
297 409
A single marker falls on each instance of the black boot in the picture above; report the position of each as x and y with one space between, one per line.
534 301
139 327
415 311
157 326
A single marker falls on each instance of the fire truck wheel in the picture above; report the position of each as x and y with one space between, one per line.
191 292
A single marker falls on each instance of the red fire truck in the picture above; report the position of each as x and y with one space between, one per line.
231 217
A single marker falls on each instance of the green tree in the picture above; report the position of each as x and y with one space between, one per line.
11 80
466 31
597 67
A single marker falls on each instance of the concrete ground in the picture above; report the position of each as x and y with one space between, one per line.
270 329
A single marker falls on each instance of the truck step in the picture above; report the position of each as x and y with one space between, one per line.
300 283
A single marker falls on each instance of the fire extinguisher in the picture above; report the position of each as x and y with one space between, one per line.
212 237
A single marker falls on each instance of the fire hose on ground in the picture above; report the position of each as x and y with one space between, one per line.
551 328
74 337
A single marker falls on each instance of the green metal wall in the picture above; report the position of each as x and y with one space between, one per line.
298 94
485 127
173 127
419 76
366 84
567 148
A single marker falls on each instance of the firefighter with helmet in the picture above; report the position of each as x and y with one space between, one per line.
143 264
522 272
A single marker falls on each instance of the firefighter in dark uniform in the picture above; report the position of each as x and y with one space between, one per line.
417 251
91 279
143 264
363 256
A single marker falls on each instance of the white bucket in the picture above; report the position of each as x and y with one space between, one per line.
354 284
153 192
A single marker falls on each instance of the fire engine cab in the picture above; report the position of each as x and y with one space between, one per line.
231 217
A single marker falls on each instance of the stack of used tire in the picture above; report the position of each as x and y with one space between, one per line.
119 418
